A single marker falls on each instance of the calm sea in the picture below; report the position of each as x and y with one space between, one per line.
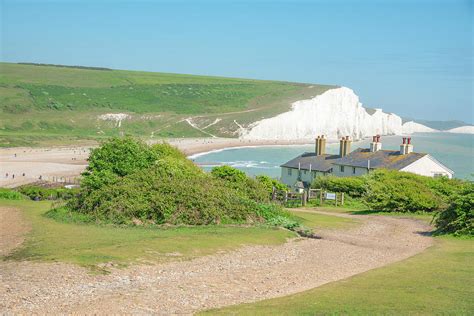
456 151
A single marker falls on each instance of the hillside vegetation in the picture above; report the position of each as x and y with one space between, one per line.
130 183
450 201
44 102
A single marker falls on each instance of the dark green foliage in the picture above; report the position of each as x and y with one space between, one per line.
458 218
353 186
132 183
243 185
395 191
8 194
270 183
229 174
39 193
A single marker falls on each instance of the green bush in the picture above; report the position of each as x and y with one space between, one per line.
8 194
229 174
353 186
270 183
132 183
237 180
395 191
41 193
458 218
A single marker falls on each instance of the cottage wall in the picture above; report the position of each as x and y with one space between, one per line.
290 176
348 171
428 166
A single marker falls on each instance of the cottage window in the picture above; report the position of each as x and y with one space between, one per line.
289 172
353 170
341 168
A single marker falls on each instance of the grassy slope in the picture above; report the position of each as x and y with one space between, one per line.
91 244
39 103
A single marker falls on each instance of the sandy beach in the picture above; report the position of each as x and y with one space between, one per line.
23 165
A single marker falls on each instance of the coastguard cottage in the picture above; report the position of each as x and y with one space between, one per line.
304 168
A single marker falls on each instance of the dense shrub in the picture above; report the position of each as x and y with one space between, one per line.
130 182
237 180
8 194
458 218
389 190
353 186
270 183
39 193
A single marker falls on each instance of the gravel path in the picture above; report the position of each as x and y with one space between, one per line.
246 275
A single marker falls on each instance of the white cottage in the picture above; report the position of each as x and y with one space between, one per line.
307 166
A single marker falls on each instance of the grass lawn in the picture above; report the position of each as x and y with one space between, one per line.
90 245
437 281
315 221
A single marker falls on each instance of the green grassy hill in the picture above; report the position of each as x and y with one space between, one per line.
47 103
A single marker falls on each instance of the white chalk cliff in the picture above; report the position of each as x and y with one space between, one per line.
413 127
462 130
335 113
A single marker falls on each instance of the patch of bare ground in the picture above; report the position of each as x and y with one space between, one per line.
12 229
246 275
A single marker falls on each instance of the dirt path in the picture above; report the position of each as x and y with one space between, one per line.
12 229
246 275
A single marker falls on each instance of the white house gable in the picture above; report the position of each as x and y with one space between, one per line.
428 166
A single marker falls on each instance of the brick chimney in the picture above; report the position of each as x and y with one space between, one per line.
409 146
406 147
317 145
345 146
376 144
341 147
403 148
322 147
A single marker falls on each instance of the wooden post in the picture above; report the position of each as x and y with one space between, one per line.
285 197
303 198
321 197
342 198
273 193
335 200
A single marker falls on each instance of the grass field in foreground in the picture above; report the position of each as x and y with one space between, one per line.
89 245
438 281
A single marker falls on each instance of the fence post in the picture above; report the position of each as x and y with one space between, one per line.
286 197
303 198
273 193
335 200
321 197
342 198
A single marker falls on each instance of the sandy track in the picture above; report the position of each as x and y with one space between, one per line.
12 230
246 275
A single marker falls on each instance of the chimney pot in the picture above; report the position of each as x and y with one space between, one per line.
404 140
409 140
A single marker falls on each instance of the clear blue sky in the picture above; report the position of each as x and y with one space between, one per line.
414 58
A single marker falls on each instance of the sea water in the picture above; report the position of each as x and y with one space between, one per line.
456 151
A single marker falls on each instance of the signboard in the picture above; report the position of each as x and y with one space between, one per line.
330 196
